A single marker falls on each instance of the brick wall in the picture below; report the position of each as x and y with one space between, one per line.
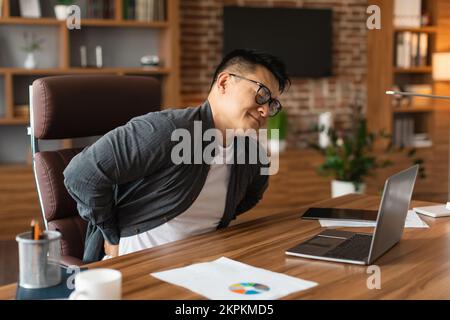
201 51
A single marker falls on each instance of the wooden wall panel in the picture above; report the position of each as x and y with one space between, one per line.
380 69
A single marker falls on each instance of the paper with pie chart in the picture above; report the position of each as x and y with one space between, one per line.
248 288
226 279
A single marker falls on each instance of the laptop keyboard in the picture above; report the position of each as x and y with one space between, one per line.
355 248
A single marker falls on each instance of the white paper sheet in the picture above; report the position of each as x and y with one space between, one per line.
412 221
226 279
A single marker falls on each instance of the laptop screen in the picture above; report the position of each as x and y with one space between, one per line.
393 210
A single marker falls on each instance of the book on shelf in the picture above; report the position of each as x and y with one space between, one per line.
129 9
144 10
161 10
402 125
125 8
132 10
403 131
415 50
404 135
407 13
111 12
141 8
411 49
1 9
399 48
100 9
407 50
30 8
423 49
151 12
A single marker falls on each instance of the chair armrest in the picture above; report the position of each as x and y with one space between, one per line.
70 261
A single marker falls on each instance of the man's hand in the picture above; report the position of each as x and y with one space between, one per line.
111 250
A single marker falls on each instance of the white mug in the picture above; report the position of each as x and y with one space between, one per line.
98 284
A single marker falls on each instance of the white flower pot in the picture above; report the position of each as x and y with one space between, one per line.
61 12
341 188
30 61
276 146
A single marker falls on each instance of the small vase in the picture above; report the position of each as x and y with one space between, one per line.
277 146
30 61
61 12
341 188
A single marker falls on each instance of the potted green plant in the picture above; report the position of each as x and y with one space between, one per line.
61 9
31 45
278 122
349 157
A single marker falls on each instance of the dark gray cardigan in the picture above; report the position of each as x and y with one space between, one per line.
126 183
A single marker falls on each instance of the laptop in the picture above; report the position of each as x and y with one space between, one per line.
363 248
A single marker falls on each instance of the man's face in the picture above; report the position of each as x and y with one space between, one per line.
241 109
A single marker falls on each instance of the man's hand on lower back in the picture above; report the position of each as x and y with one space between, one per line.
111 250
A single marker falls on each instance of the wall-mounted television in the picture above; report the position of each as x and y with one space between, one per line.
302 38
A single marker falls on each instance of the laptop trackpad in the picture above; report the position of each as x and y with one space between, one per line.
317 245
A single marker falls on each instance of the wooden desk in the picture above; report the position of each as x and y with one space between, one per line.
416 268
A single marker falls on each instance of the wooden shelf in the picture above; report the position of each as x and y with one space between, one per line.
31 21
427 69
8 167
14 121
87 22
143 70
123 23
413 109
426 29
424 147
121 70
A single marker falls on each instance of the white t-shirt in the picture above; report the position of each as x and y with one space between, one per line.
202 216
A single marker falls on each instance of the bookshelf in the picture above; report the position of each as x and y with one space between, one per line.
124 40
430 119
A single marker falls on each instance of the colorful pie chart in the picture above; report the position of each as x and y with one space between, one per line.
248 288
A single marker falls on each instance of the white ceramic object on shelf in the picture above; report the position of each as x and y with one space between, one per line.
30 61
61 11
341 188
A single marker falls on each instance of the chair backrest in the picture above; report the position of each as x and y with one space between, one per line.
64 107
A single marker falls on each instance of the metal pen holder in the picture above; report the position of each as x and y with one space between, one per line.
39 260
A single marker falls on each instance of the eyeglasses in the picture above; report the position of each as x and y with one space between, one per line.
264 96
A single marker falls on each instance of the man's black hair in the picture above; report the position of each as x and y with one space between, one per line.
246 61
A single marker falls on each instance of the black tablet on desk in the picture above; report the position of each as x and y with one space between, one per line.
340 214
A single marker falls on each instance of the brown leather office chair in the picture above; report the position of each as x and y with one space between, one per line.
65 107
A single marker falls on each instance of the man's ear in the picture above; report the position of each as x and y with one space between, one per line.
222 82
